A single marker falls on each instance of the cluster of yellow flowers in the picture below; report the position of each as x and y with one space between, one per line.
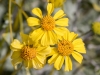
51 39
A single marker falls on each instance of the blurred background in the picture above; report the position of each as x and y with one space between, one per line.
81 13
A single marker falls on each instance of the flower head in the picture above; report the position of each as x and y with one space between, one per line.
49 27
96 28
67 46
31 54
57 3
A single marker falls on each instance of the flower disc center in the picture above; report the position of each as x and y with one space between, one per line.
48 23
28 53
65 48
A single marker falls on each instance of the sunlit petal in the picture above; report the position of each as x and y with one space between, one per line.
68 64
62 22
53 37
72 36
78 57
53 59
41 58
15 54
59 62
50 8
36 34
37 12
79 45
60 30
32 21
36 64
16 45
45 40
59 14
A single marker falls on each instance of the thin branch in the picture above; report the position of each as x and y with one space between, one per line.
23 12
10 21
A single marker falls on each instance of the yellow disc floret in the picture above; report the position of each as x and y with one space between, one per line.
48 23
28 53
65 48
96 27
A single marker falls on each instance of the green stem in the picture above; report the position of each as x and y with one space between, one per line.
21 21
20 16
14 73
25 15
85 33
10 25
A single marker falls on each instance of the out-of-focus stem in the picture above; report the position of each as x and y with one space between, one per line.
85 33
21 21
14 73
3 60
5 57
20 16
10 25
25 15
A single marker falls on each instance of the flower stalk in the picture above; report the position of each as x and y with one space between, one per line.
10 21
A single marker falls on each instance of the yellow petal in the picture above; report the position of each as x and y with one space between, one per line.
30 64
71 36
65 36
36 64
80 49
78 42
41 58
50 8
16 61
14 49
59 14
53 37
58 3
15 54
53 51
26 63
16 45
62 22
79 45
96 7
24 37
68 64
37 12
35 43
53 58
59 62
45 40
60 30
33 21
43 50
78 57
36 34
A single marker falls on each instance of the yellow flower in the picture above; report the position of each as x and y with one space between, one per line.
66 47
48 27
57 3
31 55
96 28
